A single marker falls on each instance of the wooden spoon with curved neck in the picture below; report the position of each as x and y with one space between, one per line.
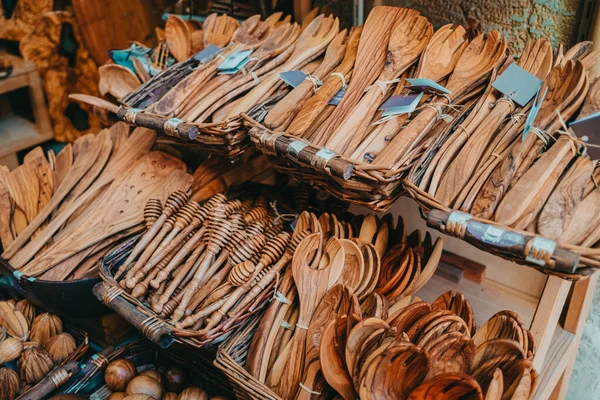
437 62
285 110
476 63
406 44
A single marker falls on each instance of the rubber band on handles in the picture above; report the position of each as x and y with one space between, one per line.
342 78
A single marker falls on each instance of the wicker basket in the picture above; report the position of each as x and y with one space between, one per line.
61 374
526 248
352 181
231 359
144 355
141 316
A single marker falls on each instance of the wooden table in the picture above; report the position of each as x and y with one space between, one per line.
17 133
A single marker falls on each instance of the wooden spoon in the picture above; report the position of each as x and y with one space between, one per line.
6 235
64 161
23 186
370 60
476 63
285 110
405 46
117 80
178 37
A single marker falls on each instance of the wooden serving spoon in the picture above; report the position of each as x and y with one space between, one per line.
476 63
24 188
437 62
64 161
178 37
370 60
537 60
117 80
286 109
317 103
311 42
405 46
6 235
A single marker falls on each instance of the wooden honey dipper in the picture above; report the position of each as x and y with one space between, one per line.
246 250
183 219
197 221
273 251
268 277
247 205
152 211
174 202
218 236
147 253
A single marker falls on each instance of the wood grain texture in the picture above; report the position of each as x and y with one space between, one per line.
370 60
6 235
526 198
64 161
24 188
331 85
559 209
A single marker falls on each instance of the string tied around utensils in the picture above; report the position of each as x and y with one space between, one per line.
287 325
316 82
541 134
310 391
582 142
439 109
281 217
342 78
383 85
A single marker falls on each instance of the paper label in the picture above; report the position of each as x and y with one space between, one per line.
426 85
292 78
209 52
535 108
588 129
517 84
234 70
396 105
338 97
235 60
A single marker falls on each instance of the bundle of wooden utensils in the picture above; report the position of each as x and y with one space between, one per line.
60 214
36 342
413 350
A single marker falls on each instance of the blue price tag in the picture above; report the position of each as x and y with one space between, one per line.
292 78
209 52
338 97
535 108
426 85
588 128
517 84
235 60
397 105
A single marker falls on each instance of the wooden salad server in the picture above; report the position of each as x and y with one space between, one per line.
63 163
281 115
6 235
274 51
137 146
448 386
331 85
582 229
136 187
537 60
217 28
311 42
87 149
117 80
437 62
311 284
563 84
370 60
24 188
406 44
481 56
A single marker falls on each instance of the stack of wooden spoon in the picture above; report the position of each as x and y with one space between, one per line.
332 254
424 349
540 182
59 215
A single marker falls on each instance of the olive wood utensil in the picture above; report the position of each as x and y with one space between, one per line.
218 29
178 37
137 145
584 220
448 386
334 369
480 57
537 60
406 43
311 42
281 115
314 106
64 161
6 235
352 273
117 80
87 149
568 193
153 174
311 285
370 60
24 188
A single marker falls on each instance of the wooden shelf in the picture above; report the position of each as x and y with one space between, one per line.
17 134
562 348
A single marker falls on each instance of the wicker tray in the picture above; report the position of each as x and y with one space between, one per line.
144 354
526 248
143 318
61 374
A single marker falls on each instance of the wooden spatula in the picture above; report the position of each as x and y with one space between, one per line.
6 235
64 161
24 188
